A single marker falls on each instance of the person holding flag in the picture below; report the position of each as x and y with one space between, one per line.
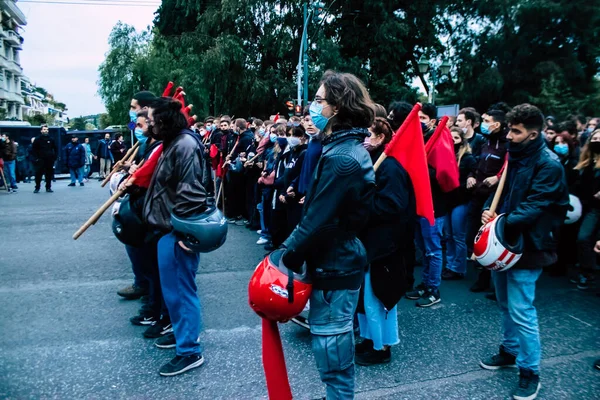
443 177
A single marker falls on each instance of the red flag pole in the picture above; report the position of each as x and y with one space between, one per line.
398 133
276 375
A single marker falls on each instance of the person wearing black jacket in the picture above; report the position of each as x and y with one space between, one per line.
387 239
239 144
466 120
484 180
534 200
292 163
336 208
176 189
458 204
44 151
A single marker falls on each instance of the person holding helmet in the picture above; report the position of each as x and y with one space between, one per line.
176 190
534 202
336 208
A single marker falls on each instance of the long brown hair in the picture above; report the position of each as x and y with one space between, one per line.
586 156
465 147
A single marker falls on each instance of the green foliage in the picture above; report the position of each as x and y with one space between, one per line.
78 124
104 121
36 120
240 56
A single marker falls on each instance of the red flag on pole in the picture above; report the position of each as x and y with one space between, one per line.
408 148
440 155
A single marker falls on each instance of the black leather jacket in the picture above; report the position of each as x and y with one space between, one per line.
336 208
535 199
176 186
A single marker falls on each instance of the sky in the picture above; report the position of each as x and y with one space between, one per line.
65 43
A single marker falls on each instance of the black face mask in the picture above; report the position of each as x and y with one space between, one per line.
457 147
595 147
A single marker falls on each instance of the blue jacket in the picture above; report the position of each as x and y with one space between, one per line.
74 155
103 149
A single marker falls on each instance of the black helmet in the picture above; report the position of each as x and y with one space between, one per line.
202 233
127 226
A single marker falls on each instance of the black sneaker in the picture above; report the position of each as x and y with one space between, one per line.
160 328
429 298
364 346
597 364
499 361
449 275
479 287
373 357
49 191
301 321
491 296
81 184
416 293
269 247
143 320
181 364
166 342
36 190
529 385
71 184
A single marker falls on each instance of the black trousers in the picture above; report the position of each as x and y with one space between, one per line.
586 240
279 226
44 168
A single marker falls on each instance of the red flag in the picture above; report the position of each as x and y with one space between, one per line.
143 175
276 375
408 148
440 155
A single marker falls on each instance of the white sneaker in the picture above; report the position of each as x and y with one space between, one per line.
262 241
259 232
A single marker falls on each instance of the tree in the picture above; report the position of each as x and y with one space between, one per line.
36 120
90 127
78 124
123 71
104 121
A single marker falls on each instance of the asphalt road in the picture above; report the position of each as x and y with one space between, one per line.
65 334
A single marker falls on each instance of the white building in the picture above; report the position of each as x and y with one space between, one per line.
11 73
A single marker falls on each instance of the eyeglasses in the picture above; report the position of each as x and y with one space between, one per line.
319 99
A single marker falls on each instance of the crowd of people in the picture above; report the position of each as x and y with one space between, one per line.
308 185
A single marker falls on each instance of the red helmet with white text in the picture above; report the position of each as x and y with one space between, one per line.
277 293
493 250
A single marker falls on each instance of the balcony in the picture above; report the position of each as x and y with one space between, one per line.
4 62
13 38
14 68
11 9
3 33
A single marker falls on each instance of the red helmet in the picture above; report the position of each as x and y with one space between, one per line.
275 292
493 250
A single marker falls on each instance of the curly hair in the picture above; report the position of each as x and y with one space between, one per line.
355 109
528 115
169 120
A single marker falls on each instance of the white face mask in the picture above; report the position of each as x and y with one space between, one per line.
293 141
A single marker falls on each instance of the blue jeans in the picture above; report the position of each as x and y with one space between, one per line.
86 170
178 281
515 290
264 231
331 318
429 239
456 246
140 258
9 173
76 174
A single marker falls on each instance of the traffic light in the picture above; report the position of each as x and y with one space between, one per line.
290 105
298 110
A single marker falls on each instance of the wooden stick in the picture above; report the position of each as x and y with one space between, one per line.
380 160
96 216
119 163
219 194
497 196
498 193
4 180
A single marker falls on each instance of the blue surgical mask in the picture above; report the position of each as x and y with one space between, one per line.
132 115
261 132
485 128
316 113
562 149
273 137
139 135
293 141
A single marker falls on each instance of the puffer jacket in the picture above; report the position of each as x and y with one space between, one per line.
176 186
535 199
74 155
336 209
10 151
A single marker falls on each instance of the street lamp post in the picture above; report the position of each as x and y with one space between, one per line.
443 69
